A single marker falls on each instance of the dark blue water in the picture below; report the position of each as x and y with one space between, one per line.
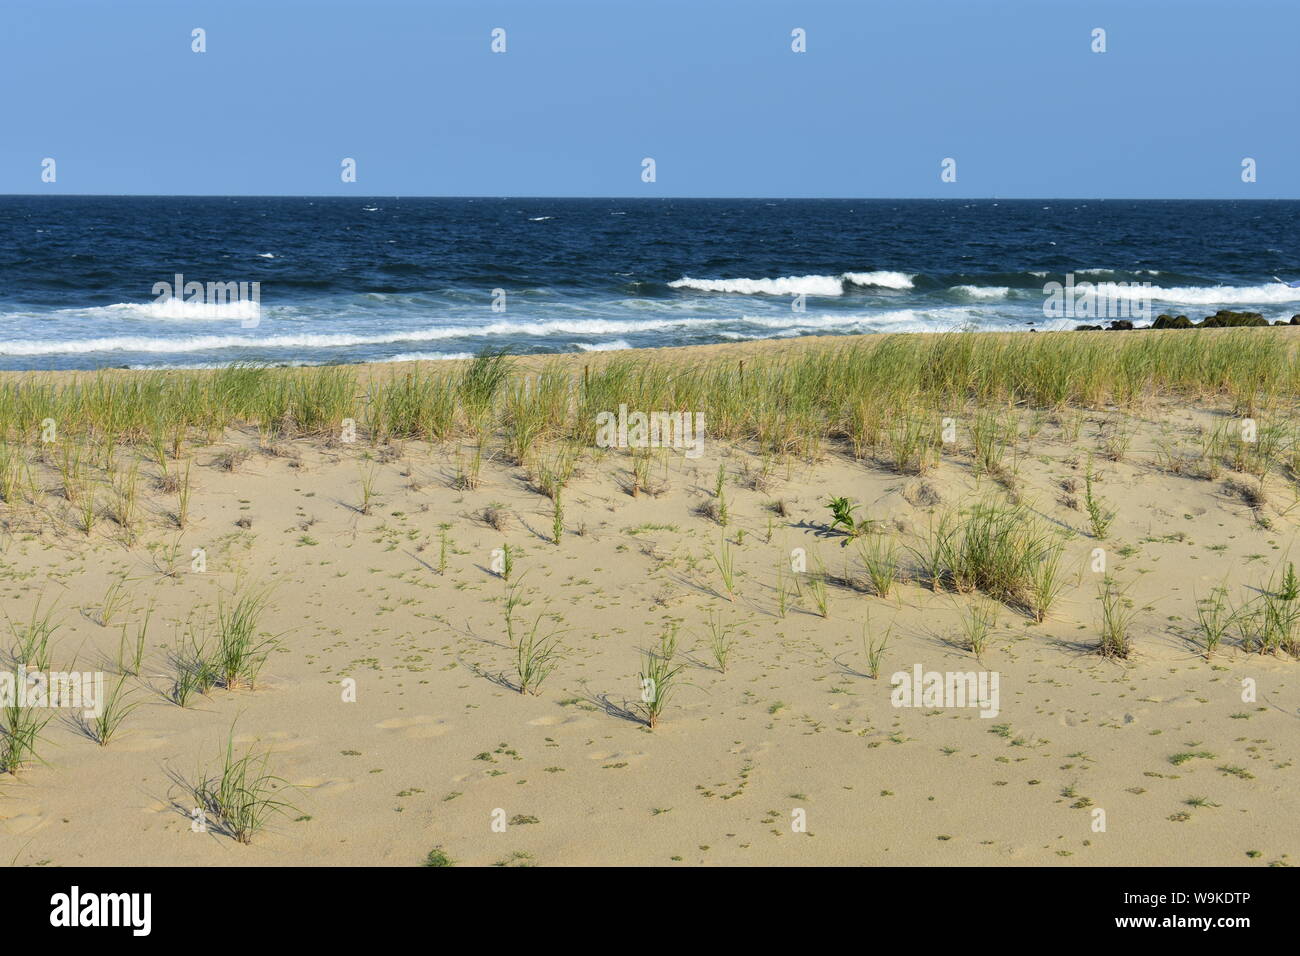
352 280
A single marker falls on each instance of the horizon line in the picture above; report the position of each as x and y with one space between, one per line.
48 194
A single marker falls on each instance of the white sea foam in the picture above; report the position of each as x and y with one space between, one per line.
796 285
1271 294
325 340
787 285
806 320
180 309
612 329
929 319
983 291
882 280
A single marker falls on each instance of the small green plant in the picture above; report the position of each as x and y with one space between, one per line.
31 647
659 676
1098 516
189 678
130 655
114 599
1214 617
874 650
114 710
990 435
194 671
782 593
720 495
557 518
127 506
640 472
725 561
19 735
436 857
842 517
936 553
536 657
912 445
977 623
183 492
241 648
1289 589
817 587
880 557
507 561
1280 619
1116 618
87 508
512 600
442 549
1247 621
1046 581
720 641
241 796
467 479
368 476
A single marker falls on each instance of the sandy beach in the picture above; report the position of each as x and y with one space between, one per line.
388 711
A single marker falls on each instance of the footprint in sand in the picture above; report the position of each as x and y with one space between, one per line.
557 721
617 757
278 741
20 816
325 785
416 728
138 743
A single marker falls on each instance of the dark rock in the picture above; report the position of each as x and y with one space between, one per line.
1087 328
1171 322
1227 319
1121 325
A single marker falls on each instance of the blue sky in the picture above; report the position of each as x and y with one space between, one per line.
709 88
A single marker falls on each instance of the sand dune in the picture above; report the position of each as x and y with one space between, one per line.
791 755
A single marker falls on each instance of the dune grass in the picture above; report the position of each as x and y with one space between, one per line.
792 401
536 656
659 677
20 732
241 796
124 434
887 397
241 649
31 641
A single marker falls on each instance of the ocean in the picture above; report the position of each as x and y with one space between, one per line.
392 279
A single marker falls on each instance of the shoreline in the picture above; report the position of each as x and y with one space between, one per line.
773 348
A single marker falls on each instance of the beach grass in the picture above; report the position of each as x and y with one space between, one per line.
242 795
792 401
